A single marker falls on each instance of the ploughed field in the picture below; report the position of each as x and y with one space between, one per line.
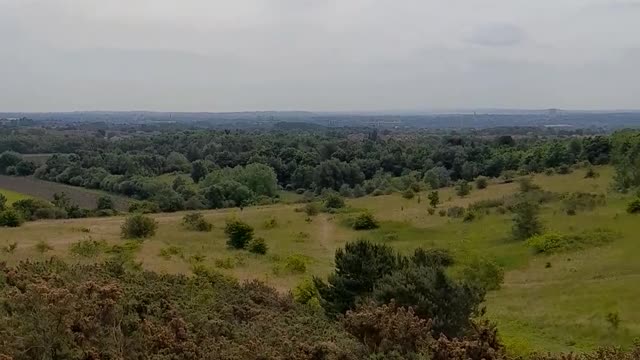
556 302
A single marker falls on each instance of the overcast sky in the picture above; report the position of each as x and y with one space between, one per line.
234 55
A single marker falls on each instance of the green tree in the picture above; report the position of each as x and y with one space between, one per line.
526 221
463 188
138 226
10 218
434 199
358 267
105 203
3 202
199 170
239 233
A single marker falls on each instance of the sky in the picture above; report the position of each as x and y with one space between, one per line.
318 55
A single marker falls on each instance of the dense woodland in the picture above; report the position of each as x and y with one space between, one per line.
215 169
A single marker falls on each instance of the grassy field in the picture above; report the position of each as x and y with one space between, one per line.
34 187
548 302
13 196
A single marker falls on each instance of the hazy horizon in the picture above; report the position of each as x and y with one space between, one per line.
318 56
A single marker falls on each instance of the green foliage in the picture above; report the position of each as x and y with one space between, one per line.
196 222
579 201
634 206
463 188
3 202
365 221
432 257
437 177
526 185
10 218
311 209
144 207
591 173
408 194
555 242
432 295
171 251
138 226
105 203
526 222
434 199
239 233
306 293
613 318
258 246
484 273
482 182
88 248
469 216
295 264
333 201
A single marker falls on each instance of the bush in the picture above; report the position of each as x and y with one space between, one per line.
579 201
365 221
527 185
3 202
333 201
49 213
138 226
88 248
258 246
196 222
554 242
431 211
463 188
408 194
144 207
307 293
485 273
482 182
469 216
563 169
28 207
105 203
10 218
486 204
442 212
591 173
634 206
455 212
311 209
525 221
296 264
239 234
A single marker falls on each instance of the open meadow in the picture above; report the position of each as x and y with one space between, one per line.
558 302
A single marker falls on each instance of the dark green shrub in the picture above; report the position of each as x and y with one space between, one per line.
105 203
526 222
28 207
442 212
408 194
431 211
469 216
485 273
634 206
258 246
482 182
295 264
239 233
88 248
365 221
144 207
432 257
591 173
10 218
3 202
138 226
311 209
563 169
196 222
43 246
527 185
49 213
333 201
462 188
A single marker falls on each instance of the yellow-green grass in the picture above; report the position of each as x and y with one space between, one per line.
13 196
562 307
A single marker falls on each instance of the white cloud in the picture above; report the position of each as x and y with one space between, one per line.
317 54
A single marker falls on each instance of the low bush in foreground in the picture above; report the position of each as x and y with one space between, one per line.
239 233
